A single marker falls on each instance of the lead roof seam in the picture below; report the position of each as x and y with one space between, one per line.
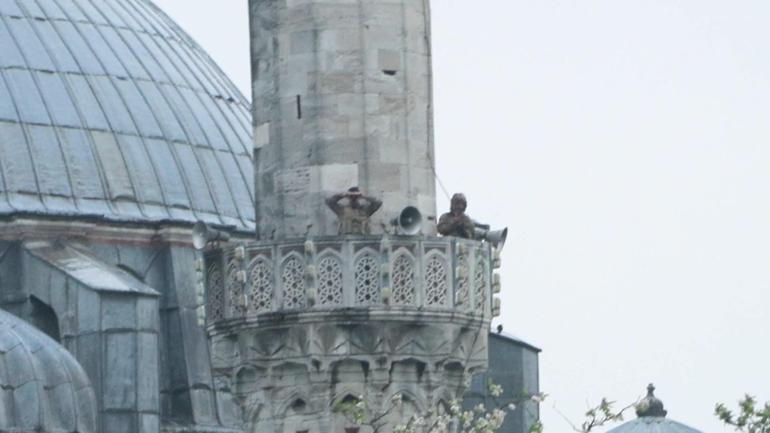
204 168
215 74
9 330
180 167
166 21
28 355
5 191
170 103
227 115
57 132
201 66
75 402
106 74
208 68
231 119
138 199
207 60
108 200
145 144
24 132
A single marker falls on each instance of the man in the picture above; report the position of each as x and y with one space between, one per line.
456 222
353 210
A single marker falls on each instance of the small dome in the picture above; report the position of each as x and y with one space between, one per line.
109 110
652 418
42 387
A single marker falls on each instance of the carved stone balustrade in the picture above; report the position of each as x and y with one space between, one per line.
298 326
371 272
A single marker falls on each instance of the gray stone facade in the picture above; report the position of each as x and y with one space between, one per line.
122 300
344 91
117 132
311 323
513 364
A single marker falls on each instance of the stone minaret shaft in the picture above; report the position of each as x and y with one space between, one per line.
304 320
342 97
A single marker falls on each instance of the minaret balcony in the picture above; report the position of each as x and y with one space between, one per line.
351 276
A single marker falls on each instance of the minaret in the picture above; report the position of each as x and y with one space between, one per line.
342 98
310 316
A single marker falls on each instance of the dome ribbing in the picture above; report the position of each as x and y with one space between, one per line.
652 418
42 387
109 110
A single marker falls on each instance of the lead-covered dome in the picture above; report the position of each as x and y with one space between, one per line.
651 418
108 109
42 387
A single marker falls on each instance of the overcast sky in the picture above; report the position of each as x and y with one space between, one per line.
627 146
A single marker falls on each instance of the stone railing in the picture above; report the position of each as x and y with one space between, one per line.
371 272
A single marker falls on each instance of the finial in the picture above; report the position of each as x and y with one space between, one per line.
650 406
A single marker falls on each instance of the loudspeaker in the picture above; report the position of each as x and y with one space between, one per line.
203 234
409 221
495 237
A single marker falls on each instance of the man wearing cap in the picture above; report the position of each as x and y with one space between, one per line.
353 210
456 222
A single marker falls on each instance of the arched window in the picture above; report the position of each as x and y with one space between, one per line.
367 276
329 280
261 283
436 280
403 280
293 282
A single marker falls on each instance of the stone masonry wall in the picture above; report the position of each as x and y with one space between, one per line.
343 92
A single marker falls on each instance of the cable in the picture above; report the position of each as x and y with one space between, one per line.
440 183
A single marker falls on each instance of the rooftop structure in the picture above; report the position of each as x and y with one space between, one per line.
42 387
334 303
651 418
117 132
110 111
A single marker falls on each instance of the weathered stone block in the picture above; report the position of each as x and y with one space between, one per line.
149 423
148 372
203 405
90 355
119 423
88 310
120 370
147 314
119 312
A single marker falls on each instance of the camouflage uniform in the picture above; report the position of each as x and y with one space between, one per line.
353 212
456 222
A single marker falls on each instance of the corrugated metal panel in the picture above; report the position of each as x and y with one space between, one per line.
108 109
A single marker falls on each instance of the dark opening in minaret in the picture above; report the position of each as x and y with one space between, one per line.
299 107
44 318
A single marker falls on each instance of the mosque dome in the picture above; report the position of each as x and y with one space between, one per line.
42 387
109 110
651 418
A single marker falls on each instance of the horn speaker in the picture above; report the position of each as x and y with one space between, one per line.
203 234
409 221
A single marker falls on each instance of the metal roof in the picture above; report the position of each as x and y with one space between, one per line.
653 425
652 418
108 109
42 387
514 339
